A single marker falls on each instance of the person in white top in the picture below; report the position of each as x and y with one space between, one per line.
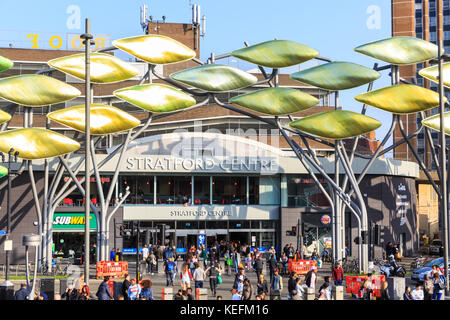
312 284
417 293
236 295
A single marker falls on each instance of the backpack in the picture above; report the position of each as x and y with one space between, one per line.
170 266
308 278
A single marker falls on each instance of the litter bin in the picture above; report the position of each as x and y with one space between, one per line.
310 295
47 286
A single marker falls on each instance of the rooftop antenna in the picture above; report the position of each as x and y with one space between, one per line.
144 20
203 26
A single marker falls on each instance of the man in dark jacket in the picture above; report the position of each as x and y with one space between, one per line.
292 282
22 293
125 285
103 292
259 264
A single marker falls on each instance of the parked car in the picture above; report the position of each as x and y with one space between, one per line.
418 274
435 247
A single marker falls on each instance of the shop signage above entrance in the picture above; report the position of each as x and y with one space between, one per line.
206 212
72 222
247 164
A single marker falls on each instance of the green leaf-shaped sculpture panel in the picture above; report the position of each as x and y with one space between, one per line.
34 90
276 101
401 99
105 68
3 171
4 116
432 73
5 64
337 75
156 97
400 50
276 53
155 49
36 143
434 122
215 78
336 124
104 119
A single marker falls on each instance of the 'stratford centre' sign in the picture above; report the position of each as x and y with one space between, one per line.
201 164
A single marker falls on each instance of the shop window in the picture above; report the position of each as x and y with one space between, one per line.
201 190
216 225
255 224
141 189
303 192
229 190
174 190
253 190
240 224
267 224
187 225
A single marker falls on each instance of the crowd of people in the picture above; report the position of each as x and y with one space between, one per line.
201 267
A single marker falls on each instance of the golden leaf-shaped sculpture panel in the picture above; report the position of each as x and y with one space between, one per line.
4 116
400 50
401 99
155 49
105 68
276 53
336 124
35 90
5 64
432 73
215 78
36 143
276 101
156 97
104 119
337 75
434 122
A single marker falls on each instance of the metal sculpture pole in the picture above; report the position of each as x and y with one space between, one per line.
87 42
443 158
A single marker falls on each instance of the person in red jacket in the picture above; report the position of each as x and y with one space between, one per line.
338 274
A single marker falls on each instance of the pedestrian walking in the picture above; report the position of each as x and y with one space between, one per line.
407 295
134 290
170 270
248 261
259 264
186 277
438 285
147 291
276 285
22 293
292 283
247 290
198 276
125 285
417 293
326 289
311 278
297 293
427 288
384 291
85 293
338 274
212 271
261 286
103 292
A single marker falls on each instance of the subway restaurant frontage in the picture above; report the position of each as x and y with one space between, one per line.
68 235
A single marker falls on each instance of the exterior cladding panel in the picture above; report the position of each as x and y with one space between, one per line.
385 204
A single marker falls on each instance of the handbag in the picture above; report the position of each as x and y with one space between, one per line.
219 279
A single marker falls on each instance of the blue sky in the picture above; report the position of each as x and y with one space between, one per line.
332 27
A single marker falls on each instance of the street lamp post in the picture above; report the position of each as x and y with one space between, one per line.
87 43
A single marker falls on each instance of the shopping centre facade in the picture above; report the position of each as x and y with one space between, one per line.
207 174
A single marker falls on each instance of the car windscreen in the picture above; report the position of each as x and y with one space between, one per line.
435 262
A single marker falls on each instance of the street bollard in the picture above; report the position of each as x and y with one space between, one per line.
167 293
442 292
396 287
338 292
310 295
201 294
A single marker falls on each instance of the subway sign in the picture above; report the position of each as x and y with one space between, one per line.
73 221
